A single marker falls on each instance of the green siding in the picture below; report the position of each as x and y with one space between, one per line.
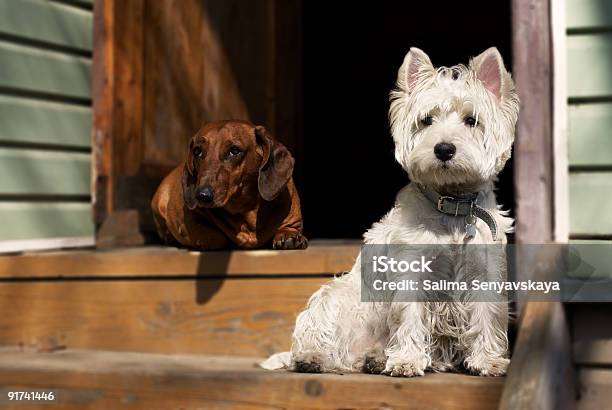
590 201
25 120
45 165
590 134
27 220
47 21
589 14
590 65
37 70
35 172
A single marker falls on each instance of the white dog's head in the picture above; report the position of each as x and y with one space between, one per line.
453 126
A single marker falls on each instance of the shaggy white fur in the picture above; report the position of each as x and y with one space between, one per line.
475 108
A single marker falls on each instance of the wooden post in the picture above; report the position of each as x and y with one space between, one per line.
541 371
118 79
533 148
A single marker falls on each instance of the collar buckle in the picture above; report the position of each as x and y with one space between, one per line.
441 200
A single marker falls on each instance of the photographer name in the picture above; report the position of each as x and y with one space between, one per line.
444 285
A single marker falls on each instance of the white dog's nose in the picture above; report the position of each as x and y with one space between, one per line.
444 151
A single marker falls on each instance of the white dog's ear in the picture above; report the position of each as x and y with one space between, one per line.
415 62
490 70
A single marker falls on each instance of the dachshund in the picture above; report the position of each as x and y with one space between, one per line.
235 189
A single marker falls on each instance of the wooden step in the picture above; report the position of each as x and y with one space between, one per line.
83 379
162 300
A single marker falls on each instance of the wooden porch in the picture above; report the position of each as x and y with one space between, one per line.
158 327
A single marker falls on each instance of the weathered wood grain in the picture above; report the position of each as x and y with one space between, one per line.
103 380
242 317
189 77
118 82
328 258
540 375
532 72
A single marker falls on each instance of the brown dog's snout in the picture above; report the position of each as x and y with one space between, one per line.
205 195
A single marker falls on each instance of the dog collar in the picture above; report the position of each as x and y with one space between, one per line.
464 205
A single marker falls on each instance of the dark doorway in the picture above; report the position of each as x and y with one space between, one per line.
352 51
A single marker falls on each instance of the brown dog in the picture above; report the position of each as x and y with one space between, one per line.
235 187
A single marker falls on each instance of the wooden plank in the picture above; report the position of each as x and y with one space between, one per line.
589 59
540 375
28 220
105 380
24 120
533 148
595 387
118 84
40 172
589 14
243 317
590 143
47 21
560 122
36 70
152 261
592 341
590 192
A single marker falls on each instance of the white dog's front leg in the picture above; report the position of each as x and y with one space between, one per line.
407 350
486 341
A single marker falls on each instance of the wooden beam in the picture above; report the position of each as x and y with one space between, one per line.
156 262
533 149
106 380
242 317
541 371
118 79
560 122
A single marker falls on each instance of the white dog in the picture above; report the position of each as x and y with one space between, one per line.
453 130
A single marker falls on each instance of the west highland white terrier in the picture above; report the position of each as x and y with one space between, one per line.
453 129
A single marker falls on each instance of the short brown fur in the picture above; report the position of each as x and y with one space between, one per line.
251 203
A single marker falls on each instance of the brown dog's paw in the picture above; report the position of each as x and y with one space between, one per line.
289 240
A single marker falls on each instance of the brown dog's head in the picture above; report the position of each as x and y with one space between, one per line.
227 158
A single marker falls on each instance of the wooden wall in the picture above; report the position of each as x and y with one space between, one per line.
45 119
589 55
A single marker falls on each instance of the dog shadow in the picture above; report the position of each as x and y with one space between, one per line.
211 273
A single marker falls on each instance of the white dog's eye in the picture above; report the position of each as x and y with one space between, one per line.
469 121
427 120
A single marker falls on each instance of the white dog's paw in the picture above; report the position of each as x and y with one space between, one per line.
374 362
405 368
308 362
496 366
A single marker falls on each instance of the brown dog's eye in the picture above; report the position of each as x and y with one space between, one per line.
234 151
197 152
469 121
427 120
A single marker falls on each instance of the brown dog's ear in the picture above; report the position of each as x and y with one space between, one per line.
276 166
189 180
